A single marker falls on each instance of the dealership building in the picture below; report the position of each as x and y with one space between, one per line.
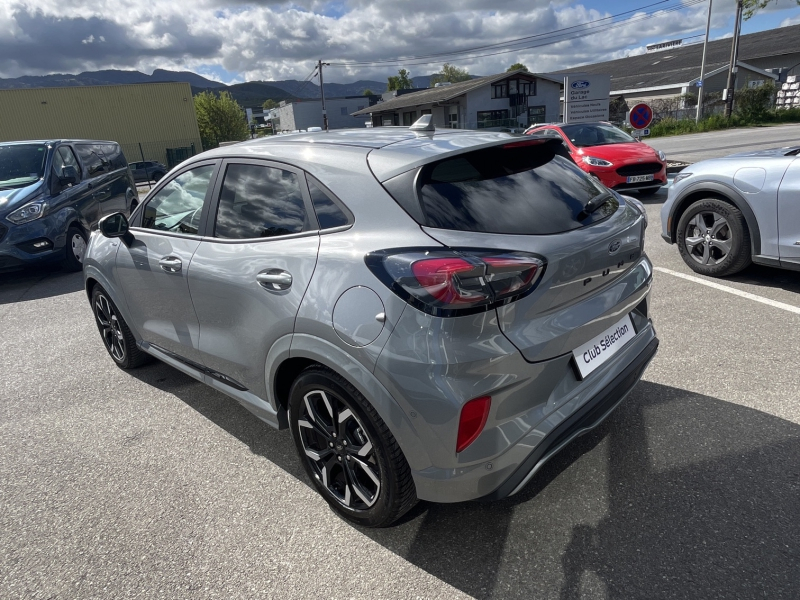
151 121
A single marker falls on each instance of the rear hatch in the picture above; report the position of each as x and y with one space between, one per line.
522 198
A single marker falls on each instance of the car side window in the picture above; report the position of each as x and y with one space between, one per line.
91 156
65 157
114 157
257 201
177 206
329 215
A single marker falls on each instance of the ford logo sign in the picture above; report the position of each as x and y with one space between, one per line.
580 85
614 246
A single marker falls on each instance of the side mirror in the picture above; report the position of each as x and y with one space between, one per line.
114 226
69 175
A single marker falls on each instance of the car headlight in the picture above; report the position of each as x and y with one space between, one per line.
661 156
639 206
596 162
680 177
30 212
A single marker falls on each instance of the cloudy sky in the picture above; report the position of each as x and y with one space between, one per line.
234 41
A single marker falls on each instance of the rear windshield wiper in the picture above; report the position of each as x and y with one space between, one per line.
593 204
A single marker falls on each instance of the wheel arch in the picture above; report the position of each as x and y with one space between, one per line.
291 354
720 191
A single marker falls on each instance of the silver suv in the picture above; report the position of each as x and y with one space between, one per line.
433 314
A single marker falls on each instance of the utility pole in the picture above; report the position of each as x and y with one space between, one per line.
699 114
321 64
729 86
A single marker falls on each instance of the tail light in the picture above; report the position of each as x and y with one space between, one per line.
455 282
472 421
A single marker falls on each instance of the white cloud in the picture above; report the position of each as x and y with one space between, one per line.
265 39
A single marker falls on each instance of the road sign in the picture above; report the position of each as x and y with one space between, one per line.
641 116
699 83
640 132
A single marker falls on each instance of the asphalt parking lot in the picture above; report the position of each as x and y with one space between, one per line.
149 484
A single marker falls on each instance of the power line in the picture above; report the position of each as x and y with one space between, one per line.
542 39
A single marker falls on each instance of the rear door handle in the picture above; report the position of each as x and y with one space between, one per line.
275 279
171 264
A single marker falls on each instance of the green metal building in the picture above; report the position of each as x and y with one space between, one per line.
151 121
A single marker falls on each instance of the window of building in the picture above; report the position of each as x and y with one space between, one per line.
258 201
492 118
500 90
425 111
343 111
409 118
527 88
512 86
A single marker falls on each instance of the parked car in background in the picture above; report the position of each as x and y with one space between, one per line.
728 212
52 193
433 314
148 170
618 160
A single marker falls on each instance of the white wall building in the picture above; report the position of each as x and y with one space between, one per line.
506 100
308 113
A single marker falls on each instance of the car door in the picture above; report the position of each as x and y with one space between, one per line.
78 194
153 268
250 271
789 214
96 170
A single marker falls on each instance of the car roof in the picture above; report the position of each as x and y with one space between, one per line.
390 150
59 141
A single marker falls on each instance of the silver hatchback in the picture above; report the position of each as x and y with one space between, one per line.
433 314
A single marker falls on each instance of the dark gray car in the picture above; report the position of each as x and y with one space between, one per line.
432 314
148 170
52 193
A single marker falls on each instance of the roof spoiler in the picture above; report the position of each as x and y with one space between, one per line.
424 123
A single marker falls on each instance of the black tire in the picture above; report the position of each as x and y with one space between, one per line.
115 333
74 249
723 249
353 448
134 204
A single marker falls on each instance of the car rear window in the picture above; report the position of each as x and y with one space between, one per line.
514 189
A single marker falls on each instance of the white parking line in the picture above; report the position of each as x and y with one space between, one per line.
734 291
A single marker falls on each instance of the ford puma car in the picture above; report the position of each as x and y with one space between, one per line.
729 212
433 314
618 160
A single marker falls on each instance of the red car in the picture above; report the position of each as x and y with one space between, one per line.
620 161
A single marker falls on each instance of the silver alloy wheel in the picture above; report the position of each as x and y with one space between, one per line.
708 238
339 450
78 247
110 328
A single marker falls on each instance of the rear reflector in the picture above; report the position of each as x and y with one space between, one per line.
473 419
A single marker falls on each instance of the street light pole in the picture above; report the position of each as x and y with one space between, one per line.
737 29
699 114
321 64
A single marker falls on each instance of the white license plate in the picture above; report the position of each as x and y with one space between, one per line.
602 347
640 178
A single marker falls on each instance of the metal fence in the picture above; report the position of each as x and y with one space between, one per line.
168 152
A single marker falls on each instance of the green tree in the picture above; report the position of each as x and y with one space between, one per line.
752 6
220 119
401 81
368 92
517 67
450 74
269 104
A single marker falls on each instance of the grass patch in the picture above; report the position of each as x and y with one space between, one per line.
670 126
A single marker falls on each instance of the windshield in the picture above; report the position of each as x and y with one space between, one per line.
585 136
21 164
515 190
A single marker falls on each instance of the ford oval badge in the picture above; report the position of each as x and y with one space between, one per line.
580 85
614 246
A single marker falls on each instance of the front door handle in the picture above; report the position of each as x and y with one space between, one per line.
171 264
275 279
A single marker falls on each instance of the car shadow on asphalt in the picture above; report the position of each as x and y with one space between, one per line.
675 495
767 277
37 283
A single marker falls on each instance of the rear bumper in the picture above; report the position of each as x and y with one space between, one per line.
589 416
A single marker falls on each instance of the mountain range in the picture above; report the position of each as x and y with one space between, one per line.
251 94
